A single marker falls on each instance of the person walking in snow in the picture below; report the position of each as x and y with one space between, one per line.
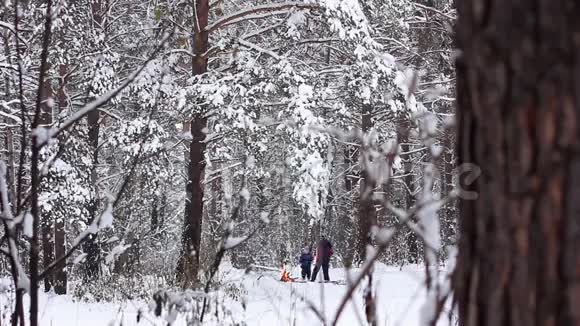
323 254
305 261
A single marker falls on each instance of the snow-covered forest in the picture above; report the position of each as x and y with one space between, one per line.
186 162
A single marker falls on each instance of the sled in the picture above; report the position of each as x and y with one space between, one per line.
299 280
337 282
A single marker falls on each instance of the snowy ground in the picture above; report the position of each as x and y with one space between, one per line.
267 302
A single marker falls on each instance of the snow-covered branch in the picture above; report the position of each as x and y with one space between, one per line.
253 13
259 49
262 30
448 16
102 100
11 28
102 221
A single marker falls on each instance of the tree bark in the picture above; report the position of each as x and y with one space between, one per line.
188 264
518 115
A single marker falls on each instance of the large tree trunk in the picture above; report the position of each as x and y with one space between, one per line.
188 265
519 114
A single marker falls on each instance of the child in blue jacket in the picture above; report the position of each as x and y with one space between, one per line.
305 261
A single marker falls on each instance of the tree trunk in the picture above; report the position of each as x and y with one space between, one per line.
11 164
46 226
155 215
35 166
9 140
448 211
188 265
366 214
412 241
90 246
60 275
17 314
346 222
409 197
518 114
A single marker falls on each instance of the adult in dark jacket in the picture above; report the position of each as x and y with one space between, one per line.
305 261
323 254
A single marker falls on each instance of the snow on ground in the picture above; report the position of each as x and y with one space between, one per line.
400 297
267 301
